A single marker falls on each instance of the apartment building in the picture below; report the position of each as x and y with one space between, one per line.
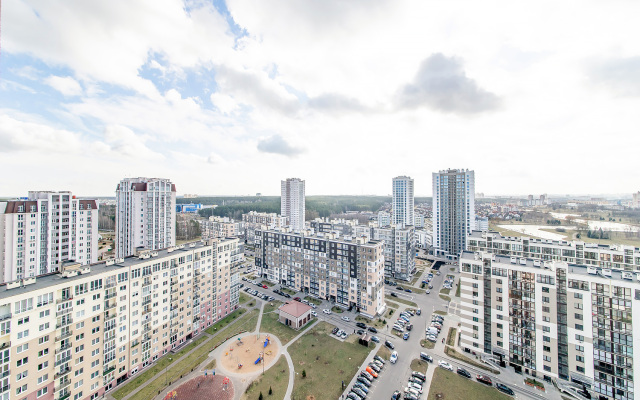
347 271
85 330
453 211
617 257
292 202
145 215
384 219
399 250
220 227
402 202
553 320
40 232
255 220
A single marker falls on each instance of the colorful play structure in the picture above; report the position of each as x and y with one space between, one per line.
171 395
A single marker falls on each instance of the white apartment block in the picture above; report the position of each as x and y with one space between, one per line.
553 320
635 201
145 215
617 257
399 250
402 202
384 219
220 227
40 232
255 220
292 202
347 271
82 332
453 210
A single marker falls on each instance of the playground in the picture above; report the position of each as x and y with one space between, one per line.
247 354
203 387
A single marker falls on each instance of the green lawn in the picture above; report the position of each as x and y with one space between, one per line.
337 309
225 321
399 300
180 368
427 344
445 298
445 291
271 324
391 304
287 290
313 300
244 298
419 365
440 312
265 282
451 337
384 352
451 352
455 387
276 378
326 362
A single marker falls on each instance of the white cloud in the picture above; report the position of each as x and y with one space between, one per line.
124 142
21 136
65 85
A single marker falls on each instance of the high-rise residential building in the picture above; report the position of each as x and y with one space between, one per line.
292 202
635 201
220 227
347 271
145 215
79 333
399 250
613 256
40 232
453 210
256 220
553 320
403 202
384 219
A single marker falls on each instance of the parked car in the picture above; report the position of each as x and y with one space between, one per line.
445 365
396 395
432 338
364 381
389 345
371 372
426 357
315 314
372 329
326 311
265 287
408 290
415 386
427 291
297 299
410 396
417 380
361 325
504 389
353 396
405 336
375 339
394 357
335 330
378 358
419 375
463 372
362 387
409 327
345 319
359 392
484 379
287 295
393 294
367 375
359 331
374 367
343 335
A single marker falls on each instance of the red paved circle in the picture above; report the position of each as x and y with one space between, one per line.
209 387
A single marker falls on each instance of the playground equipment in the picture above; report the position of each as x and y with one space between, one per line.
258 360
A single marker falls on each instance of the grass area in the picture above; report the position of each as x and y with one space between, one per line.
391 304
403 301
177 369
275 378
507 232
271 324
384 352
445 298
445 291
533 382
337 309
376 322
454 386
288 291
389 313
458 289
440 312
451 337
452 269
211 364
313 300
244 298
225 321
419 365
270 284
325 362
451 352
427 344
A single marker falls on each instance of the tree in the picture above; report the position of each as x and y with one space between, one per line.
304 373
261 397
270 391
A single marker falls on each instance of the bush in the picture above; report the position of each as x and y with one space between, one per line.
270 391
261 397
304 373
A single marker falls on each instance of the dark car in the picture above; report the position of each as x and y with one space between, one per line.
297 299
418 311
396 395
426 357
394 295
372 329
504 389
361 325
359 331
389 345
359 392
287 295
409 396
378 358
408 290
463 372
409 327
484 379
335 330
399 288
364 381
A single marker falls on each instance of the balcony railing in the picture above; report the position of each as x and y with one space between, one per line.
62 372
62 300
62 385
63 336
63 348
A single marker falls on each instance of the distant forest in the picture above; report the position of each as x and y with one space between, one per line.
317 206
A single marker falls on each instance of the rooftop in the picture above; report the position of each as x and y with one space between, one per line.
295 308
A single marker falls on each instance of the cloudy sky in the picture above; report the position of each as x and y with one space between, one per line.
230 97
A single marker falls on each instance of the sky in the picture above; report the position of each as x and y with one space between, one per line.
230 97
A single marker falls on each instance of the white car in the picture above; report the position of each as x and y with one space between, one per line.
394 357
313 306
315 314
326 311
445 365
345 319
415 386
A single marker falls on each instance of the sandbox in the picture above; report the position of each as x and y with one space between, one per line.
248 354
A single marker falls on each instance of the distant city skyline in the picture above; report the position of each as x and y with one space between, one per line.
346 94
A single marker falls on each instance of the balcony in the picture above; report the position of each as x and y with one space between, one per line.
63 312
110 317
62 385
108 370
66 322
63 336
62 372
63 348
62 300
64 396
62 361
146 302
110 296
5 345
109 306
